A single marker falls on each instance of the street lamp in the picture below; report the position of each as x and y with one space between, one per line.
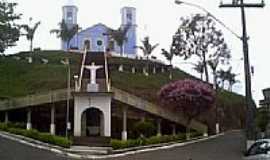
179 2
244 40
67 63
209 14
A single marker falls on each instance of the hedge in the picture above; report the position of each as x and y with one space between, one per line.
120 144
44 137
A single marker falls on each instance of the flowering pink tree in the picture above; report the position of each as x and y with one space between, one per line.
191 97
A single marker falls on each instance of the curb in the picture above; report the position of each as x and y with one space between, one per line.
153 145
115 154
33 143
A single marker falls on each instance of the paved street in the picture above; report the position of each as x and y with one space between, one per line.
227 147
11 150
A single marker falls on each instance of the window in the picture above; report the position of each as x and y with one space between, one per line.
87 44
99 43
129 18
69 15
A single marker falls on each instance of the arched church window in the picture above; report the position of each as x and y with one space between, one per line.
129 18
87 44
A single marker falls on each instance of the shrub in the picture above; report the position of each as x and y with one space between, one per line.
3 127
195 134
145 128
119 144
44 137
16 125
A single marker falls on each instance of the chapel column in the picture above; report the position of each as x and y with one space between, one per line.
52 126
159 127
174 129
6 117
124 131
29 114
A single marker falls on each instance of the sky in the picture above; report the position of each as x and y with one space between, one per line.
159 19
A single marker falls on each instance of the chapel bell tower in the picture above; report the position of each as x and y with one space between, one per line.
70 11
129 19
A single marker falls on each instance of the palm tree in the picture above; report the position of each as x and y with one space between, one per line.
222 76
30 32
119 36
199 67
169 57
65 33
222 55
147 49
231 79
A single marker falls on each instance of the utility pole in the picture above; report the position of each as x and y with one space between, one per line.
250 110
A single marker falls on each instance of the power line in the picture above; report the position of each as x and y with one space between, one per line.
251 109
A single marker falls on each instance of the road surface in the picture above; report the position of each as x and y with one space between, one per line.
227 147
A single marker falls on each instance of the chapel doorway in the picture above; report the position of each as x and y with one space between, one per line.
92 123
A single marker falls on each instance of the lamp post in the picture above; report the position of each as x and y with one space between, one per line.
66 62
251 108
244 39
179 2
209 14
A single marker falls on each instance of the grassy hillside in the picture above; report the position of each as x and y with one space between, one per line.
19 78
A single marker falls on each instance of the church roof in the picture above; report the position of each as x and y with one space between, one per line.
96 25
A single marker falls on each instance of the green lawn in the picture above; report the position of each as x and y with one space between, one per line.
18 78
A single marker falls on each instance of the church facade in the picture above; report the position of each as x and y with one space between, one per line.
96 37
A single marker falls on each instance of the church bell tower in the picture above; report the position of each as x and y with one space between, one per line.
129 19
70 11
69 15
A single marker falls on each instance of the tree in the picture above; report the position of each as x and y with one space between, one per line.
65 33
169 57
228 76
262 118
145 128
222 55
147 47
119 36
191 97
199 68
30 32
231 78
222 77
198 36
9 30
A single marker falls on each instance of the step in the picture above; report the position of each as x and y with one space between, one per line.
90 150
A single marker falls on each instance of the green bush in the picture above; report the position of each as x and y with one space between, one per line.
195 134
119 144
145 128
16 125
3 127
44 137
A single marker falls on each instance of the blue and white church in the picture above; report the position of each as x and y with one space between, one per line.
95 36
